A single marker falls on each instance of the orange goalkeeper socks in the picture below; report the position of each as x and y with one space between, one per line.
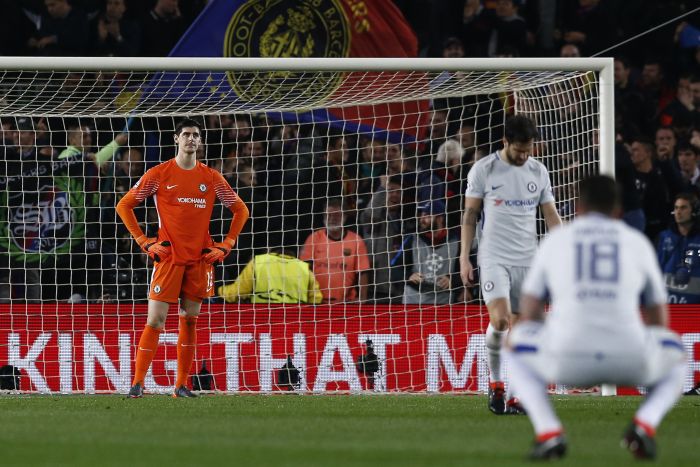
186 344
146 350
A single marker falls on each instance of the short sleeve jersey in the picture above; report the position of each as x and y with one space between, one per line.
596 271
336 264
184 200
510 195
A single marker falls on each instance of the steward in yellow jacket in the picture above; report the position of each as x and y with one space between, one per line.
274 277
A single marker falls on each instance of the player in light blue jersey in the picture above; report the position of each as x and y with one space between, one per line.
508 186
598 273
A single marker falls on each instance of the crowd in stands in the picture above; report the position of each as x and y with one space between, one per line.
389 212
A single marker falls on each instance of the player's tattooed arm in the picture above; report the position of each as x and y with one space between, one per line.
472 209
471 216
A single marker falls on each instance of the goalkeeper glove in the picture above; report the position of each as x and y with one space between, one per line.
157 251
218 252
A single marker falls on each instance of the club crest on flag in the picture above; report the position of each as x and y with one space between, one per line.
277 29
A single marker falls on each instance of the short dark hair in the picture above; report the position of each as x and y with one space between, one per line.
688 196
520 129
685 146
666 127
600 193
645 142
188 122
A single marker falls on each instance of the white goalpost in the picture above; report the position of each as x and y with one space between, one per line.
384 136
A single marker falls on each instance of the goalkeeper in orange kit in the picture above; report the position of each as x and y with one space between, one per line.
184 191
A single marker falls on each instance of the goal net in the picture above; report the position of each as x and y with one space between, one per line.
340 163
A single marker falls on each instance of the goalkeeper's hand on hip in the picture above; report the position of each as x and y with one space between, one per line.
218 252
157 251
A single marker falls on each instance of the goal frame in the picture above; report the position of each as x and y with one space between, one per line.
602 66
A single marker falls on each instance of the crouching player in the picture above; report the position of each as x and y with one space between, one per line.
183 274
598 272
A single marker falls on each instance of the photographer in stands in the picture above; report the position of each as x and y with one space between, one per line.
679 251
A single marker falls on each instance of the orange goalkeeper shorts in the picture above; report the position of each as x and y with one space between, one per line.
169 282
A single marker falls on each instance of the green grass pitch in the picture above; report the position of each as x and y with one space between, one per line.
310 430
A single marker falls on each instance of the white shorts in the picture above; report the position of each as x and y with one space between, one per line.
502 281
640 363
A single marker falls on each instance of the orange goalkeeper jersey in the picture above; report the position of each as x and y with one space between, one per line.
184 200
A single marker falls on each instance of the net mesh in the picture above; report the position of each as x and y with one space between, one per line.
383 142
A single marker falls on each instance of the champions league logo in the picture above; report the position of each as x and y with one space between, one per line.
276 28
488 286
433 263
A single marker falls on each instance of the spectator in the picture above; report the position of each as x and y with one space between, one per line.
509 31
688 163
370 167
629 103
569 51
477 25
695 139
665 143
625 175
162 28
338 159
437 134
467 138
652 187
665 159
444 180
112 34
308 180
684 109
90 257
50 252
489 33
432 258
338 257
655 91
383 226
29 239
274 277
64 32
453 48
268 176
679 251
589 24
244 181
128 169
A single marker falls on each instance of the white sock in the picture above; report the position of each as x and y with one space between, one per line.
662 396
532 391
494 341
